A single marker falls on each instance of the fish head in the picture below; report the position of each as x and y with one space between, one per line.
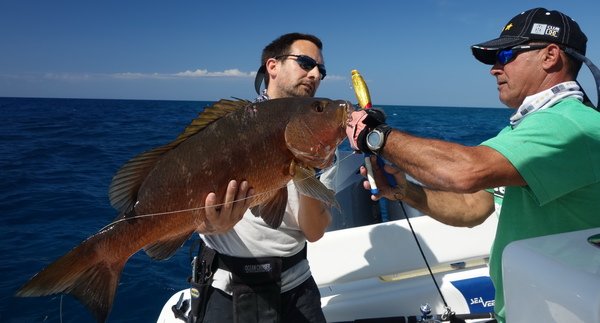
316 129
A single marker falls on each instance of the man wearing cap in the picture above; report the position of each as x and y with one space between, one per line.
548 158
261 274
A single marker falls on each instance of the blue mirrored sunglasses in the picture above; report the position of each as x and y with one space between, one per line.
505 56
307 63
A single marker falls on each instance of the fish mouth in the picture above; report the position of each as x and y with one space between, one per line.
349 108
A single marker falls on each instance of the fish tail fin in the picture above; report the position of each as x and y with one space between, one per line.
91 280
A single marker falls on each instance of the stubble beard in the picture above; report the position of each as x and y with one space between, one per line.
299 90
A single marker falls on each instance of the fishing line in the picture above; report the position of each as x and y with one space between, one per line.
61 308
139 216
449 312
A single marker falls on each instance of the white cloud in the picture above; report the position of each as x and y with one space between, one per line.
199 73
67 76
234 72
188 74
336 78
134 76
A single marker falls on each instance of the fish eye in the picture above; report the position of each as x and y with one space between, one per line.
318 107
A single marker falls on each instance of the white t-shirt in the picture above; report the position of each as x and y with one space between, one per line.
252 238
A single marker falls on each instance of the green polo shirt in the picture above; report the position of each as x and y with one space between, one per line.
557 151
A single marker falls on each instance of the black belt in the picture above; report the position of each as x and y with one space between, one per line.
230 263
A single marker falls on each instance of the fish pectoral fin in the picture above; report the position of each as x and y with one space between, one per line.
273 211
307 184
164 249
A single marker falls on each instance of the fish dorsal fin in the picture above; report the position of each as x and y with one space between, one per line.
273 211
127 181
209 115
307 184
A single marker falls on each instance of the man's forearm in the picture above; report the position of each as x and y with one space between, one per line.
456 209
313 218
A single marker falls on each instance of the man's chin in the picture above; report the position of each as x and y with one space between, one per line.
308 93
306 90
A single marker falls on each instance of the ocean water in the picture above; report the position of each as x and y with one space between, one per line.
57 158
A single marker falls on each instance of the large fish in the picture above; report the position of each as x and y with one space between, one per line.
160 194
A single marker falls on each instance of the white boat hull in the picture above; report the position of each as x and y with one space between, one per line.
554 278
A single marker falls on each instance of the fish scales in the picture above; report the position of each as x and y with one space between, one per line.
247 145
161 193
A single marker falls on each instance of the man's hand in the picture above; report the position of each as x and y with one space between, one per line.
222 216
385 190
360 123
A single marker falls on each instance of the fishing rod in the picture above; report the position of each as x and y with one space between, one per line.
364 100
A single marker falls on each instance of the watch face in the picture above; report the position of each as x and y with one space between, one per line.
374 139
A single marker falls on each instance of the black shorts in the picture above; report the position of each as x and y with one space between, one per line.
298 305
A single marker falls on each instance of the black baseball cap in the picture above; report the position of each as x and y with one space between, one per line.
537 24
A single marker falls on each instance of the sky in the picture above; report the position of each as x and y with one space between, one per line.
409 52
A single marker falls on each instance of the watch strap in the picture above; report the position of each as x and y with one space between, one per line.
385 130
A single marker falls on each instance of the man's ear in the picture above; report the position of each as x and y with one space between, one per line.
552 57
272 67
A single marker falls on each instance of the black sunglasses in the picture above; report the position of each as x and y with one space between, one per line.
307 63
505 56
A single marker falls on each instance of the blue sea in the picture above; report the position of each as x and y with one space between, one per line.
57 158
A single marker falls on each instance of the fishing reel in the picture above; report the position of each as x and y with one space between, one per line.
449 316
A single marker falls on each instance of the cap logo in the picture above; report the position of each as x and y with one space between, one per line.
508 27
544 29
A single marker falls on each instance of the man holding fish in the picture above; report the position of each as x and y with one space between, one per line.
291 66
254 265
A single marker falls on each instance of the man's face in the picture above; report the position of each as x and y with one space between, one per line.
519 78
288 78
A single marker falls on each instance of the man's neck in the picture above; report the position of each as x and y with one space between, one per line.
272 94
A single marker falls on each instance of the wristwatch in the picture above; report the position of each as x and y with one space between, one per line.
376 138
